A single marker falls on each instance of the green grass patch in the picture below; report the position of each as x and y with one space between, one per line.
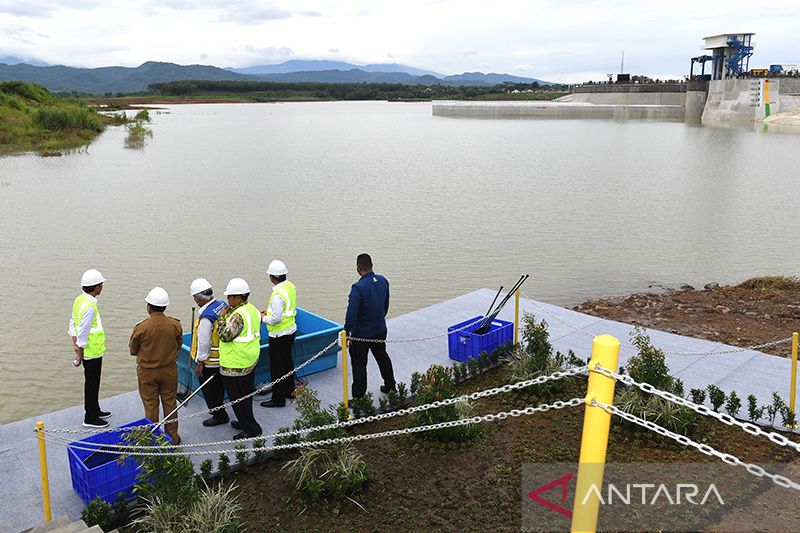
33 119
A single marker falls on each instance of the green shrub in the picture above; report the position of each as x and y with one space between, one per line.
483 360
402 392
282 440
206 469
655 409
437 384
788 417
335 470
224 465
260 455
312 415
698 396
416 377
677 387
734 404
775 408
121 509
754 412
716 396
394 399
142 115
649 365
169 477
242 455
98 512
216 511
383 403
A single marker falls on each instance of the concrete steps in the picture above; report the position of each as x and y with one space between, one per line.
64 524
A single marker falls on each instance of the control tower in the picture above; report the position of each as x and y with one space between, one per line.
730 54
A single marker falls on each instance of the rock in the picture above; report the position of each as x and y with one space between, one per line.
711 286
722 309
687 288
767 317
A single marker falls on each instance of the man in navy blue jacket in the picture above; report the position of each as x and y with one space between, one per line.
367 306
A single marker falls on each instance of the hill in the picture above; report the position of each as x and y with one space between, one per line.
299 65
112 80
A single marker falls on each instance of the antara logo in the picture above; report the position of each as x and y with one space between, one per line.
562 482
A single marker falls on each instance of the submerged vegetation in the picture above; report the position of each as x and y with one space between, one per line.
32 118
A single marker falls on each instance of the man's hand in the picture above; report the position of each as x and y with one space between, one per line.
199 369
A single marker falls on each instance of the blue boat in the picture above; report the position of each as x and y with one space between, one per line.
313 334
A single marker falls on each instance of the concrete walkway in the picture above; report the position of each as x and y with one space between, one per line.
747 372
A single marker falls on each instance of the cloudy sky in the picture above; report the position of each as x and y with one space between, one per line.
562 40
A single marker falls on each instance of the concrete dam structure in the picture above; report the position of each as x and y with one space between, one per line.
716 101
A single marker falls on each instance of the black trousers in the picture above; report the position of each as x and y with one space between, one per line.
91 388
214 392
238 387
358 358
280 363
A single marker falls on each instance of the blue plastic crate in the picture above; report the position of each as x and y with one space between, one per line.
111 476
464 344
314 333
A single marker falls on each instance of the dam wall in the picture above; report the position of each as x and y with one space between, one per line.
558 110
743 101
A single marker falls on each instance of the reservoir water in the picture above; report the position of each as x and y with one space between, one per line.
445 206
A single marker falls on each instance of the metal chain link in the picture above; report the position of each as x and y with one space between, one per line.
723 352
202 412
574 402
374 418
726 419
418 339
727 458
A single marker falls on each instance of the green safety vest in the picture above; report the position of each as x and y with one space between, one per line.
288 293
243 351
96 345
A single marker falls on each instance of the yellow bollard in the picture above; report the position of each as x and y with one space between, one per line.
516 318
43 467
594 440
344 368
793 381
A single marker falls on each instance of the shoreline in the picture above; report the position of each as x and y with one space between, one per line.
754 311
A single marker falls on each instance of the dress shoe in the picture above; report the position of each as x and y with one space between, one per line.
245 435
273 403
236 424
214 421
104 414
385 389
95 423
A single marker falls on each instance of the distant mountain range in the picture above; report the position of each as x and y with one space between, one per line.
103 80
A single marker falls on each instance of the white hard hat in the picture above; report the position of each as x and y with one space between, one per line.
157 297
237 286
277 268
92 277
199 285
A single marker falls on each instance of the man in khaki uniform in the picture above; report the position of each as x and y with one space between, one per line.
155 342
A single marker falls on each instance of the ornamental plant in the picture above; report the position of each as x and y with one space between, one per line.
437 384
734 404
774 408
242 455
649 365
224 465
416 377
698 396
716 396
259 455
754 412
206 468
98 512
402 392
788 417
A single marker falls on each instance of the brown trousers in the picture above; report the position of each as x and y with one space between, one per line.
160 384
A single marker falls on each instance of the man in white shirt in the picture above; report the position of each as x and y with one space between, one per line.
89 345
279 316
205 349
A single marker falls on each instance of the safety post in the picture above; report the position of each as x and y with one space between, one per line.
43 467
344 368
793 381
594 440
516 317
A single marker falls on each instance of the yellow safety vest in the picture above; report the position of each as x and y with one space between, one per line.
243 351
213 354
96 345
288 293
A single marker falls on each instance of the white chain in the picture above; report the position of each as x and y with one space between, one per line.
207 411
574 402
723 352
726 419
374 418
418 339
703 448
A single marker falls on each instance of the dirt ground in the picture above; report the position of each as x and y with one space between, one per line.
755 311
